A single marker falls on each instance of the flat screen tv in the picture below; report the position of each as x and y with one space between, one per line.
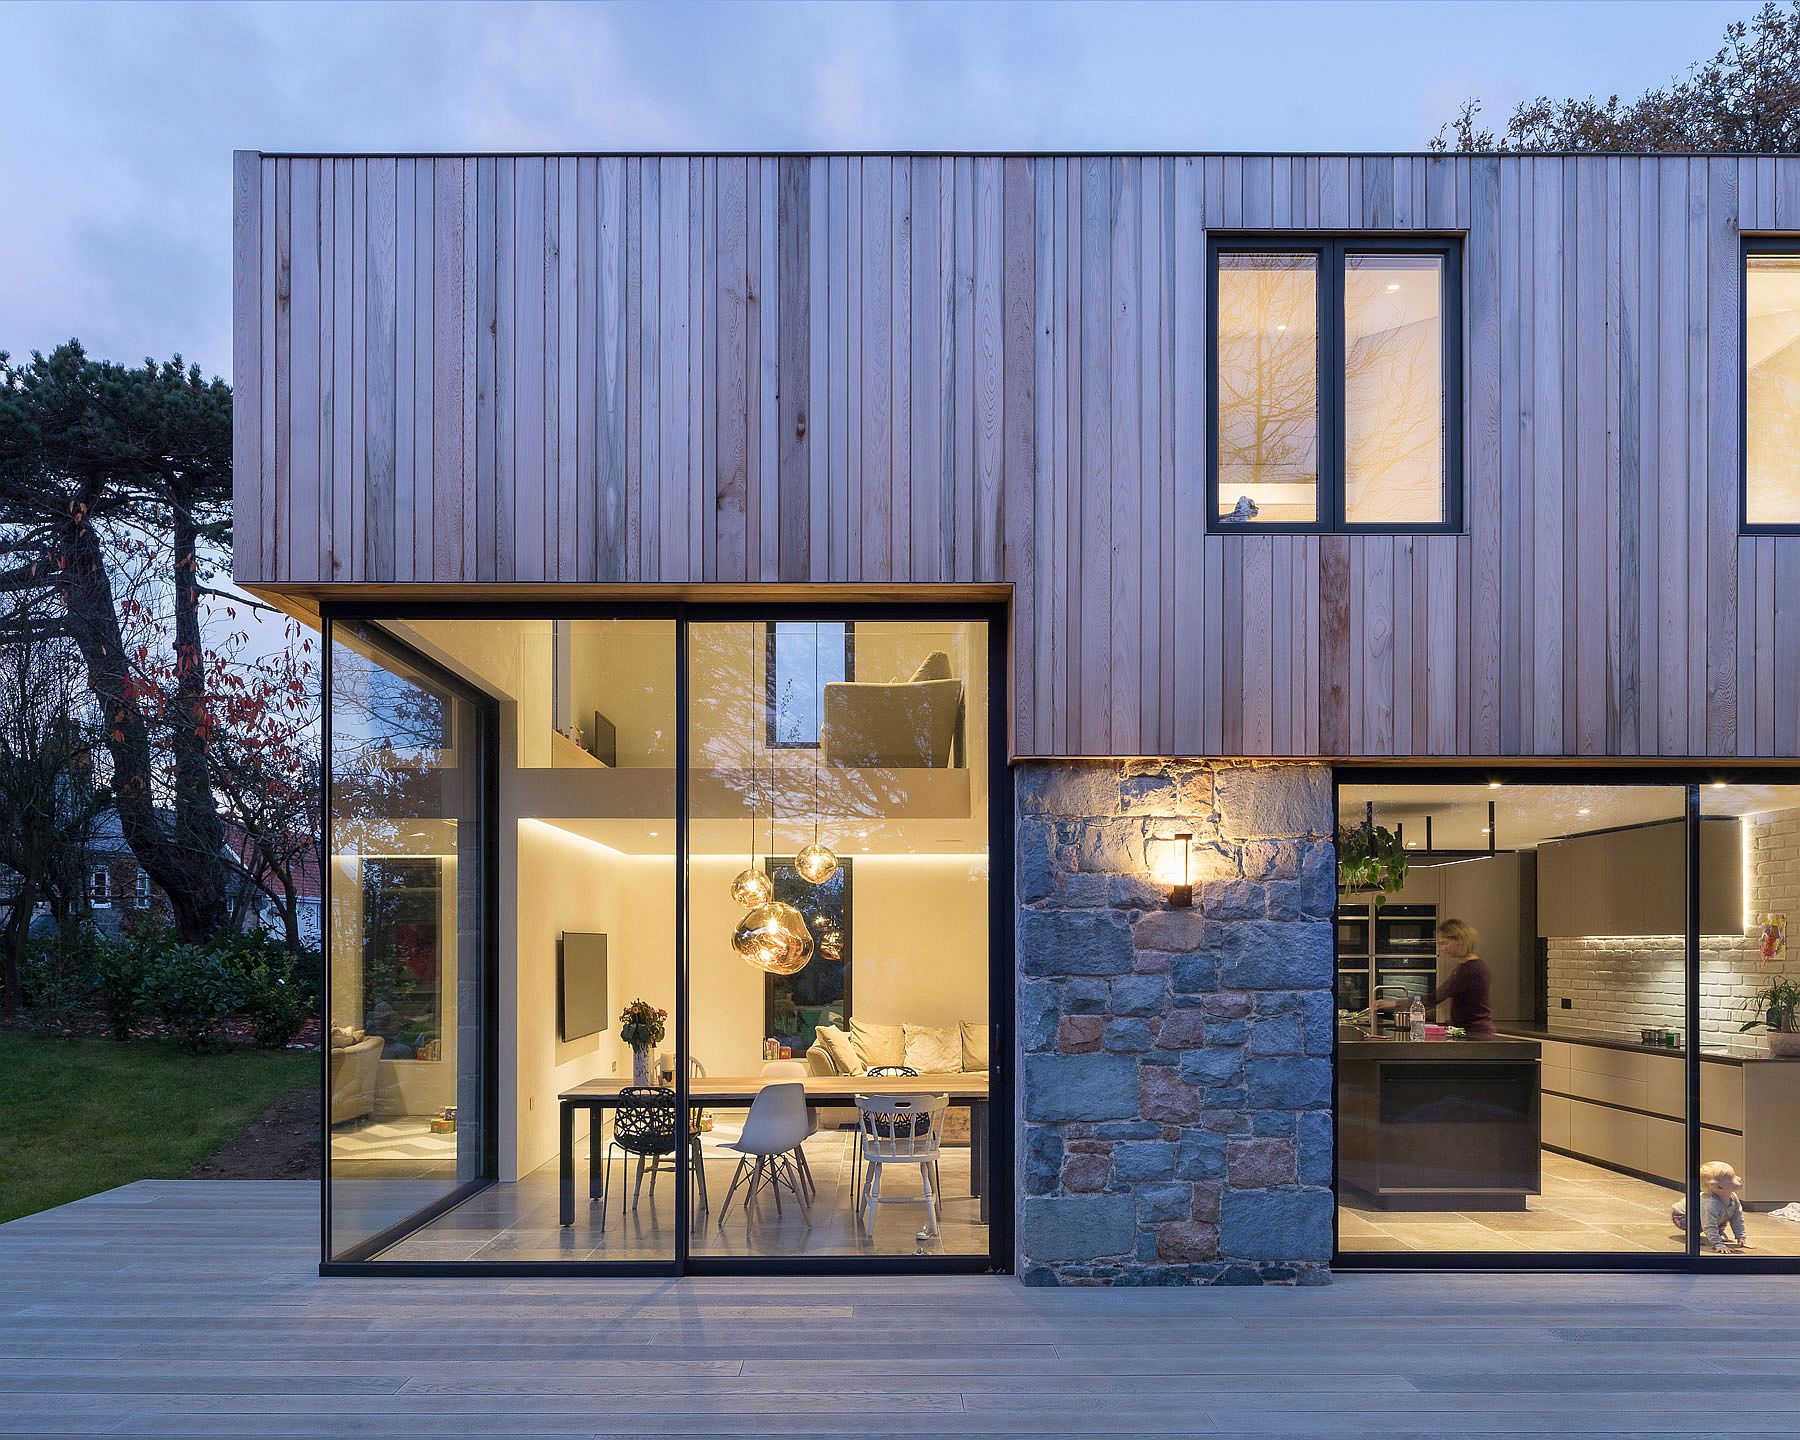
581 985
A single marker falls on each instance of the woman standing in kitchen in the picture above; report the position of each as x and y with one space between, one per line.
1467 986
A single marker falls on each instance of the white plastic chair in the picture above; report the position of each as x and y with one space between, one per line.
796 1070
899 1130
774 1131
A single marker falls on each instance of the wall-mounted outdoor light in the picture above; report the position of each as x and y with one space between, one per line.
1172 862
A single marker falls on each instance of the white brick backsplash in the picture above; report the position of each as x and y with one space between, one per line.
1621 986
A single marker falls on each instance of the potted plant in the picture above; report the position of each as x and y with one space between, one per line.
1371 860
1776 1008
641 1027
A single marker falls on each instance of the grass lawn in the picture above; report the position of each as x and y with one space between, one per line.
78 1116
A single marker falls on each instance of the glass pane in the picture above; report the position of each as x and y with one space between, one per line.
1394 421
889 956
1772 389
802 660
1268 365
407 1125
1749 1081
586 822
1541 1103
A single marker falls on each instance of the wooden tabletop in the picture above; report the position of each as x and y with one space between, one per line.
822 1088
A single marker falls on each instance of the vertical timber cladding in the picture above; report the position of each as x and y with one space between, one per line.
1174 1103
873 369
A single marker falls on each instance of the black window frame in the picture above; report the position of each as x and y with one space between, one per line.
771 686
1331 250
1753 245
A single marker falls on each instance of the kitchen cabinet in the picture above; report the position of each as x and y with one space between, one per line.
1634 881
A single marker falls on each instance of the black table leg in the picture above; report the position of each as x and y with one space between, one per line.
567 1163
594 1137
978 1154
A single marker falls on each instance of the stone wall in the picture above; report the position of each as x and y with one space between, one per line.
1175 1064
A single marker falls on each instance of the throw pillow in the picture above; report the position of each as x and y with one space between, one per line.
840 1047
934 1049
935 666
877 1044
974 1045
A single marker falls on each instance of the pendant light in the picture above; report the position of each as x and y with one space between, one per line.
773 936
752 886
815 862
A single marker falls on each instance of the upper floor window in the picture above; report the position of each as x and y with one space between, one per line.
99 887
141 891
800 660
1336 384
1772 384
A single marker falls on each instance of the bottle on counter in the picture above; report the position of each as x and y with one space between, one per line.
1417 1017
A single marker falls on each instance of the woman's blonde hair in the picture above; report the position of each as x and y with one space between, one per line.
1459 937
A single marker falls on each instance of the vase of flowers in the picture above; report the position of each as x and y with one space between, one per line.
642 1026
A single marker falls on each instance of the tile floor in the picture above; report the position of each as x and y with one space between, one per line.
519 1221
1583 1208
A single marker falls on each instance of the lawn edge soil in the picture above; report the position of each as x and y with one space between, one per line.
282 1143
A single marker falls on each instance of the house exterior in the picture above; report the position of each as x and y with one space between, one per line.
1250 490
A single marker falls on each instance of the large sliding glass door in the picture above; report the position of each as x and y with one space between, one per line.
652 775
1574 1084
408 1102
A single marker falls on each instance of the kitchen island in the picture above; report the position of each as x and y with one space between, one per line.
1438 1124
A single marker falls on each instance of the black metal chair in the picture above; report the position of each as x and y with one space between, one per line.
644 1126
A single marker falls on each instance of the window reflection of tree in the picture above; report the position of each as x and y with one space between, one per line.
1268 391
1772 431
1268 380
1393 404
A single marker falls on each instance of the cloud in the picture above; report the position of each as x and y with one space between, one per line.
115 183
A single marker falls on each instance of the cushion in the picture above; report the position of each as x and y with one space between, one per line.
840 1047
935 666
974 1045
343 1039
877 1045
934 1049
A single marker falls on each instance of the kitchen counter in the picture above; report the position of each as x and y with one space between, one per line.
1484 1047
1721 1057
1439 1124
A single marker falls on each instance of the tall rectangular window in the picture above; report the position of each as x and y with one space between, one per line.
799 660
1772 386
1336 384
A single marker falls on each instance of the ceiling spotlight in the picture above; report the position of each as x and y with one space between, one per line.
1393 285
1493 784
1584 811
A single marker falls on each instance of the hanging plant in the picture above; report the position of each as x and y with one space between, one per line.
1370 859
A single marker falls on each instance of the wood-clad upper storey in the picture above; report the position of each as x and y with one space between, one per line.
883 370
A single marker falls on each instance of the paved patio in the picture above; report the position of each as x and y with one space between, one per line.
173 1308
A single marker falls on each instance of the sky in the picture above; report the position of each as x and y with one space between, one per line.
115 180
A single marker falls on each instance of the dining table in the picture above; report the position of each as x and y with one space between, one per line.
967 1089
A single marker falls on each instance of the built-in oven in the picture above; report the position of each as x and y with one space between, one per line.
1406 930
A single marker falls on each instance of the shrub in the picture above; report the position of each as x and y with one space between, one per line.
122 977
279 990
57 975
194 988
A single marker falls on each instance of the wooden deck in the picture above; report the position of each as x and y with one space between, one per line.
173 1308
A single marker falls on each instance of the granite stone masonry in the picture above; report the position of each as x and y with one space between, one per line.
1175 1065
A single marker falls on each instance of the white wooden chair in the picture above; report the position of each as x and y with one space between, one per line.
899 1130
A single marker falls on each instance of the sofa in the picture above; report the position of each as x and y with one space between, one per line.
355 1064
932 1050
910 724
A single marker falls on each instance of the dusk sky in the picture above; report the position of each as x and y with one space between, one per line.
122 118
